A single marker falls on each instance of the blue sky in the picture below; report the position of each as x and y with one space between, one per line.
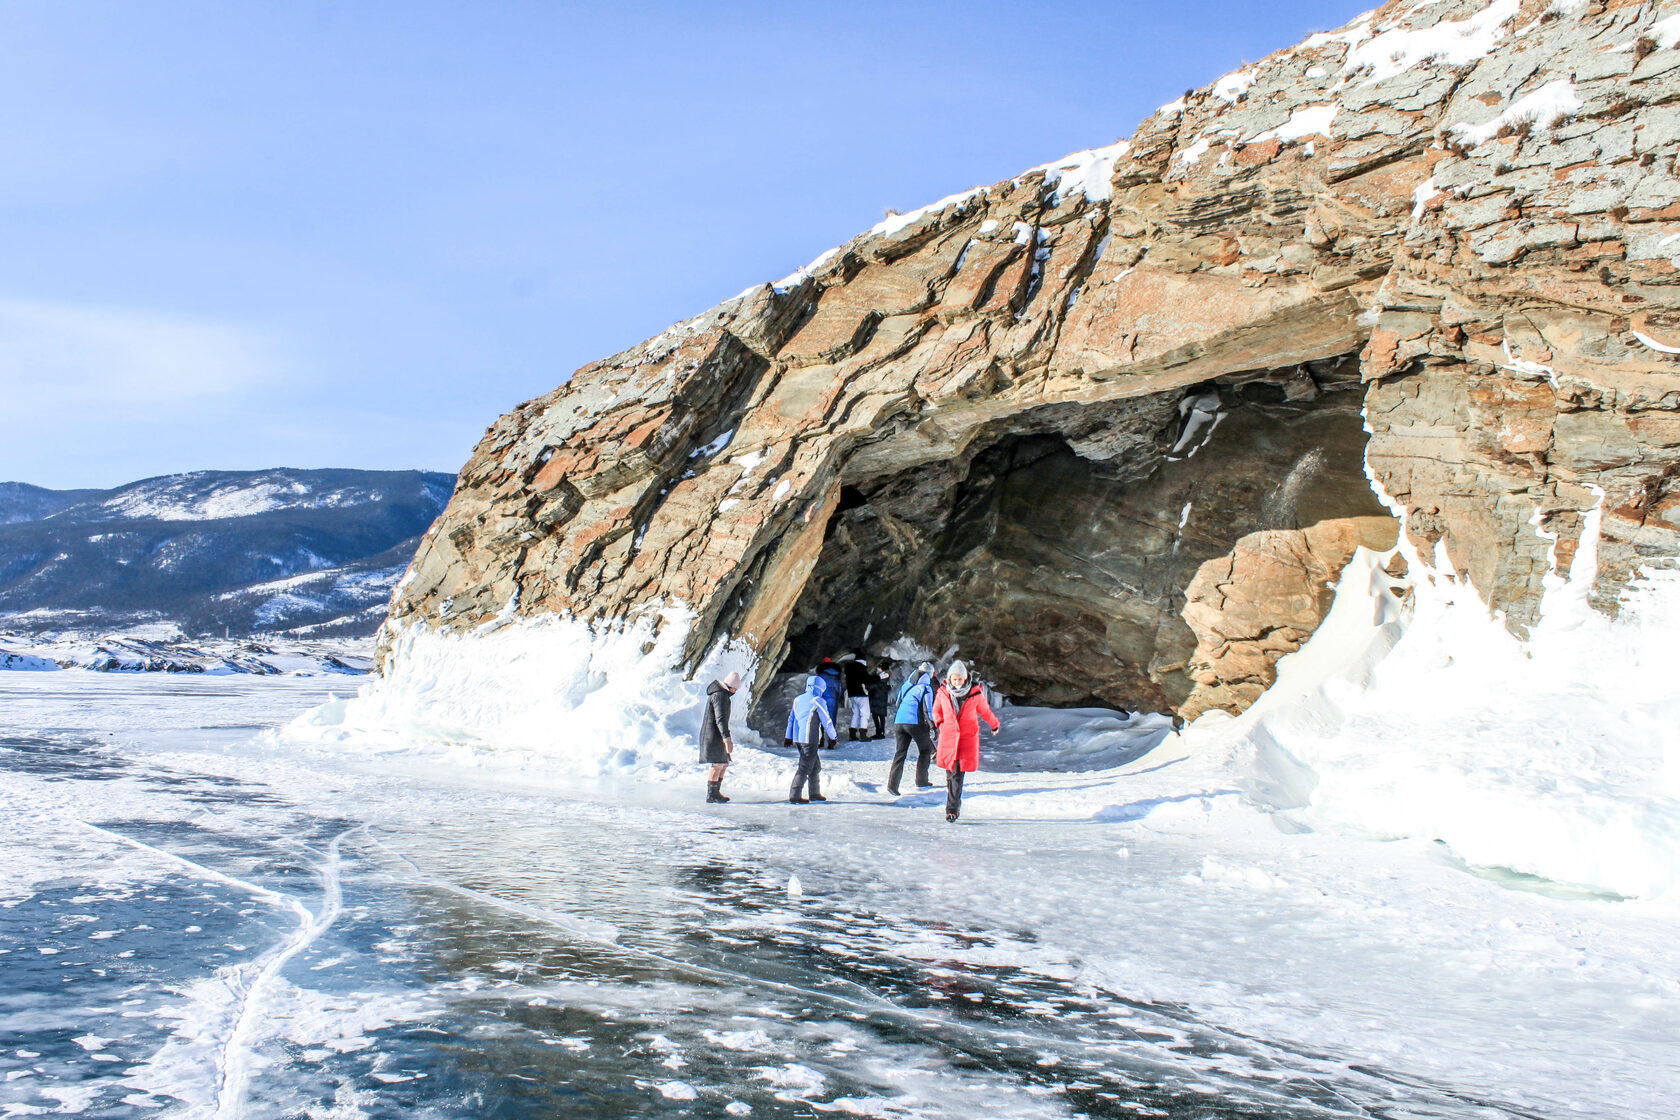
242 235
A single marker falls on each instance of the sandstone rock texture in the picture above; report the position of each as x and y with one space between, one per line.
1463 215
1264 600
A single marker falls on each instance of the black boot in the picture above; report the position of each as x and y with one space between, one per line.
714 794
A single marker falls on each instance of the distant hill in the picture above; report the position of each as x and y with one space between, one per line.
304 552
20 501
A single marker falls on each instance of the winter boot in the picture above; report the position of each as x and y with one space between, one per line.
797 800
714 793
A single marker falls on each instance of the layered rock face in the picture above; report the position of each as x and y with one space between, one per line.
1478 200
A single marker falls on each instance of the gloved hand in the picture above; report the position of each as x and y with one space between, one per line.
787 742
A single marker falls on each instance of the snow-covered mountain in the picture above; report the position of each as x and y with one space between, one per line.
304 552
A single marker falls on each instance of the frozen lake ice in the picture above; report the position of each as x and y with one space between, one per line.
196 920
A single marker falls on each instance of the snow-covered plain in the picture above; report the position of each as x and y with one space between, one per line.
162 648
222 897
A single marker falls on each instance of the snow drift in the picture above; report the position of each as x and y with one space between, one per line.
603 700
1413 712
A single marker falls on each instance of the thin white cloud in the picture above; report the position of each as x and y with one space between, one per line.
57 355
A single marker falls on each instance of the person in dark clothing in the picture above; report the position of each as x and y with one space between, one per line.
716 745
807 723
856 674
880 687
911 719
834 691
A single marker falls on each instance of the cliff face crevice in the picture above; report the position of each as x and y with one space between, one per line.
1477 199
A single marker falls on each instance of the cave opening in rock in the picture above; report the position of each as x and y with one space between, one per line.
1058 552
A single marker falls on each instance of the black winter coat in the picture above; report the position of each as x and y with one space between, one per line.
857 678
714 723
879 687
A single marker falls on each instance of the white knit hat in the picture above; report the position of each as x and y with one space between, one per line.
957 671
732 681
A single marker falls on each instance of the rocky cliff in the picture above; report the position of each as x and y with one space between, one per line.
1029 417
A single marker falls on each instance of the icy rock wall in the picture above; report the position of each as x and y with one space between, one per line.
1480 195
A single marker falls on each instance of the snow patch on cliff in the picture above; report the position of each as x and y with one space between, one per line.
1397 49
1542 109
1088 172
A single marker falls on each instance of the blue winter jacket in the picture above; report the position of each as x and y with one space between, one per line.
809 712
915 700
834 686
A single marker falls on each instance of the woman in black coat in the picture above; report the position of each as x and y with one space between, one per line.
716 746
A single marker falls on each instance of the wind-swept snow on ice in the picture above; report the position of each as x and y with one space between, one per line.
602 700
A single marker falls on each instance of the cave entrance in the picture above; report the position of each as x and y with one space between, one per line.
1056 555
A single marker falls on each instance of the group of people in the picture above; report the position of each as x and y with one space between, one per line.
921 707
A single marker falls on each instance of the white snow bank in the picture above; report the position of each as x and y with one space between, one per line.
1660 347
1543 108
1423 717
1311 120
892 223
1234 84
25 662
1449 43
1087 172
601 701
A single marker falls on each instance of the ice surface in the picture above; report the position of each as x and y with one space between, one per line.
1141 929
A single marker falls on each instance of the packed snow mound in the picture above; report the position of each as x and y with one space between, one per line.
1069 739
1414 713
601 700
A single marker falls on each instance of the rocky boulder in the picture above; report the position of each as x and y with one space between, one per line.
1263 600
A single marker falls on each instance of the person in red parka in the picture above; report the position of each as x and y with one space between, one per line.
958 708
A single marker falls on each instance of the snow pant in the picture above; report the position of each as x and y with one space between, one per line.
904 733
859 706
810 765
953 792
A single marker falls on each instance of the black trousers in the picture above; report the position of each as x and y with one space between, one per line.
953 792
810 765
904 733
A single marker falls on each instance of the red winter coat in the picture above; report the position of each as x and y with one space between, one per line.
959 727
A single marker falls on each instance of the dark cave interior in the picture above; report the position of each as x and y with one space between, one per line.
1060 574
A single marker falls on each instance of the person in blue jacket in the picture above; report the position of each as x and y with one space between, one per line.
834 691
808 722
912 719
